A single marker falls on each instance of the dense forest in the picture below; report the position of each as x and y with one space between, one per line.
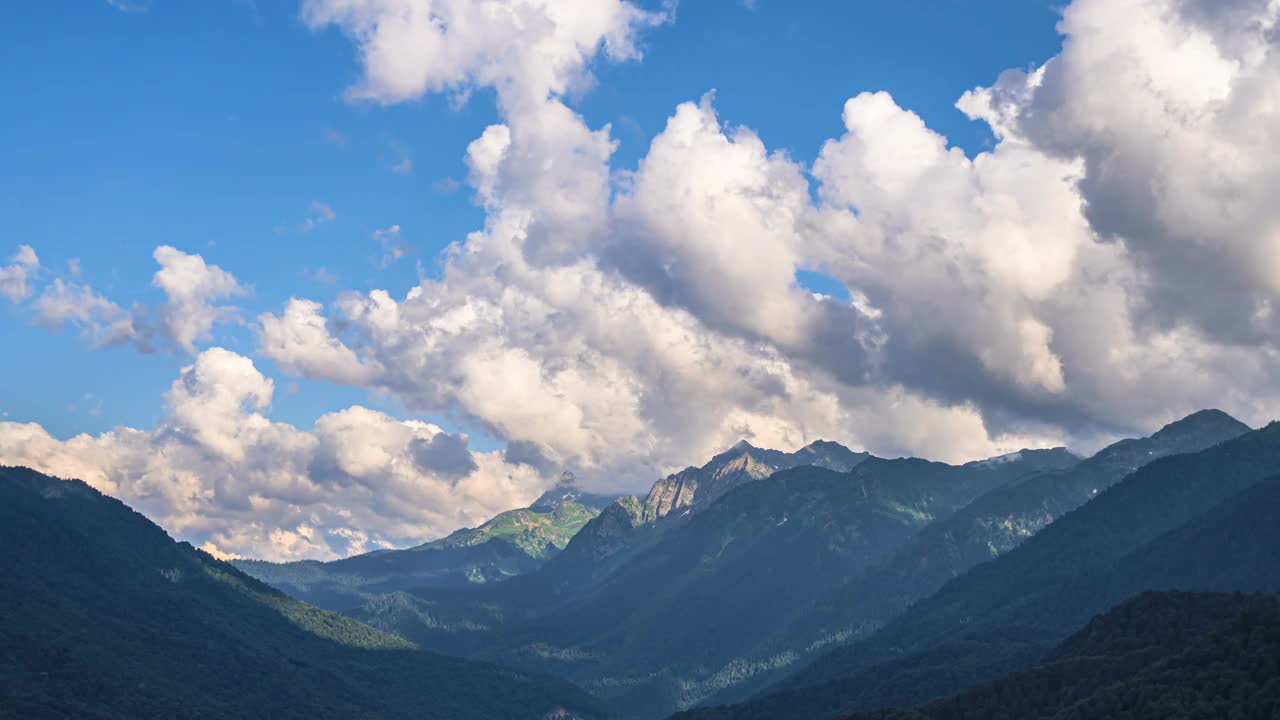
1111 649
1003 615
1234 674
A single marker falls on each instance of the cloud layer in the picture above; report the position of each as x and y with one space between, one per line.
1106 266
1111 263
216 471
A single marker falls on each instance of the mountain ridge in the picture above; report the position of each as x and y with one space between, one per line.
616 626
511 543
104 616
996 522
1001 615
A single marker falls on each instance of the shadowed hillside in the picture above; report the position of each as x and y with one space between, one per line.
103 616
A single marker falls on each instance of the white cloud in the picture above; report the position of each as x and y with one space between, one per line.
1046 290
403 167
1110 264
102 322
1172 107
299 340
192 290
526 48
392 246
192 287
15 276
319 214
219 473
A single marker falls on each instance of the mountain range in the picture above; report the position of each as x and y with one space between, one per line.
103 616
511 543
1195 521
763 584
635 610
991 525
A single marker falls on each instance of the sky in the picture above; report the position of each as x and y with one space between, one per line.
305 279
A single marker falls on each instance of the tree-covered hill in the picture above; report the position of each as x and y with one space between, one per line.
103 616
1003 615
991 525
1234 673
1111 649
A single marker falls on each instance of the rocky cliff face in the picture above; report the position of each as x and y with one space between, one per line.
610 531
693 489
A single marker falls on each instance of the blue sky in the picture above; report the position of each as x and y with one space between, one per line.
321 276
214 126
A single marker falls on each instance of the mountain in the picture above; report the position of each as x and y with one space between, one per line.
991 525
630 526
103 616
1230 674
566 492
1117 649
623 534
694 489
1201 521
657 616
512 543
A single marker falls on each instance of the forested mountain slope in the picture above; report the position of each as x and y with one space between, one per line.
668 617
991 525
1002 615
103 616
1111 649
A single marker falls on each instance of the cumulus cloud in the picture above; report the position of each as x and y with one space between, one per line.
445 455
1110 264
1107 266
193 290
531 48
102 322
1180 169
15 276
216 471
300 341
192 287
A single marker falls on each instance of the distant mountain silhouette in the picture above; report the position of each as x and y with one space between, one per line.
511 543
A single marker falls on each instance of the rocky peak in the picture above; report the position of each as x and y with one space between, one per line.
565 491
693 489
829 455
